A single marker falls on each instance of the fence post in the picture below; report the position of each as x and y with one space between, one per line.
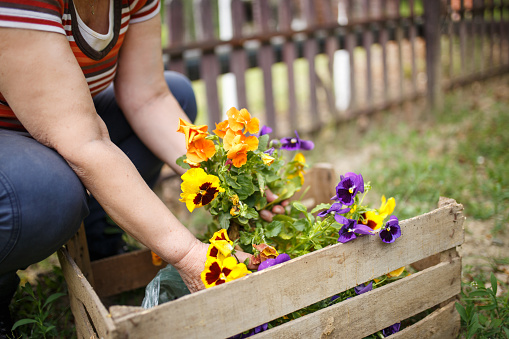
432 26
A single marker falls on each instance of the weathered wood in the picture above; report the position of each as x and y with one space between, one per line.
78 249
339 268
82 291
289 57
310 52
442 323
367 40
84 329
239 57
384 38
209 63
433 54
320 182
266 60
393 303
123 272
174 18
412 36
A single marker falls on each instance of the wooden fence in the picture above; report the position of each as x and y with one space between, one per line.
301 64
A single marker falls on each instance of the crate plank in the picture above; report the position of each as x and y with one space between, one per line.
123 272
82 291
286 288
442 323
403 298
84 328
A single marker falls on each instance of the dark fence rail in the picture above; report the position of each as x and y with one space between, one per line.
307 63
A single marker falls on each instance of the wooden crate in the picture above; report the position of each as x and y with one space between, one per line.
428 241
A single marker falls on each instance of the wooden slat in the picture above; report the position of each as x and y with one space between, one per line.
350 45
84 329
80 289
384 37
433 53
209 67
450 32
175 22
124 272
367 40
78 249
319 182
238 56
412 36
389 304
338 267
399 42
442 323
463 38
310 52
266 58
289 56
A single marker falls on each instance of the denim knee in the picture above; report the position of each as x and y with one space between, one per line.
182 89
42 202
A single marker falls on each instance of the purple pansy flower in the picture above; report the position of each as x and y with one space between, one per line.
350 229
252 332
362 288
270 151
336 208
271 262
391 329
348 187
265 130
391 230
294 144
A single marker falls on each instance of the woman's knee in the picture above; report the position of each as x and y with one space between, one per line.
42 204
182 90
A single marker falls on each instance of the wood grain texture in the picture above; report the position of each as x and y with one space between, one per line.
124 272
393 303
83 293
294 284
442 323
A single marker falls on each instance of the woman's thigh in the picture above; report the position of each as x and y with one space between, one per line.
42 201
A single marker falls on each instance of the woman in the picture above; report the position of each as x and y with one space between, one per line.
65 131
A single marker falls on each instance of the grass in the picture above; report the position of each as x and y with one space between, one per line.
460 152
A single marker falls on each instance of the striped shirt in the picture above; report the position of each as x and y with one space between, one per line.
60 16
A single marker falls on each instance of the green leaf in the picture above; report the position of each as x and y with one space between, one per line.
49 328
22 322
282 217
488 307
300 224
299 206
495 323
320 207
246 187
479 293
231 182
461 311
494 283
181 163
263 142
52 298
261 182
224 220
506 330
273 229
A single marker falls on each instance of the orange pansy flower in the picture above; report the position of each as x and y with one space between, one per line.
228 139
192 132
238 155
240 119
200 150
221 129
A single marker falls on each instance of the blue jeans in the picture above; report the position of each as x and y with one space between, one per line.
42 201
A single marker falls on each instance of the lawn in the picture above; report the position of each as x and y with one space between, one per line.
460 152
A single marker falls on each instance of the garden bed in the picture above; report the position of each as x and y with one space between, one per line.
258 298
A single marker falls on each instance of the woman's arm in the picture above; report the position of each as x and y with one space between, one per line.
45 87
143 95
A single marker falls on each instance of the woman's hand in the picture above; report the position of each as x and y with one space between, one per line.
276 209
191 265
